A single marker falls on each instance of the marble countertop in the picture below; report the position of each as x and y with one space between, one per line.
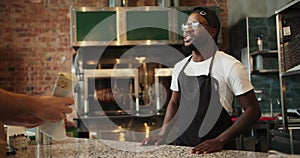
90 148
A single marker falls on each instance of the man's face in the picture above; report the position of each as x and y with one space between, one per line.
197 32
196 24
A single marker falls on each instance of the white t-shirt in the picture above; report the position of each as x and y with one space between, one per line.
229 72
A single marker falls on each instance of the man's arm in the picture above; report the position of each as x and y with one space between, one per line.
251 114
170 113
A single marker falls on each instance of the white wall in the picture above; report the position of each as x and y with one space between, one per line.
239 9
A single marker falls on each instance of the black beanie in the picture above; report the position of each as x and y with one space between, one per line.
210 16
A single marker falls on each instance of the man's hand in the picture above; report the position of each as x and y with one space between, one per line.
154 140
208 146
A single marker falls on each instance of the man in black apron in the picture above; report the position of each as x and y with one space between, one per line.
202 120
189 94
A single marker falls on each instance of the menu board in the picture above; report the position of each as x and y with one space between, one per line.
127 25
147 25
96 26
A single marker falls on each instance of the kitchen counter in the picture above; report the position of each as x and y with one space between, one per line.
90 148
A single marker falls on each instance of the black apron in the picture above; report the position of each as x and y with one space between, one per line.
199 95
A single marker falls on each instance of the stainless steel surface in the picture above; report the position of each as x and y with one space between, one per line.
74 41
87 66
160 72
163 72
111 73
283 72
108 73
267 70
282 84
77 70
115 3
164 3
290 73
265 61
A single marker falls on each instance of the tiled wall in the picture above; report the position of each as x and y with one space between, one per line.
293 91
268 83
265 27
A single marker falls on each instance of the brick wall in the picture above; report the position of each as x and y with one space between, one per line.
35 40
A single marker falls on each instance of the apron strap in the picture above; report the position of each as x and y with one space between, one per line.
186 63
210 66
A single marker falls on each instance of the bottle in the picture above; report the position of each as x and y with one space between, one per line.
259 62
260 43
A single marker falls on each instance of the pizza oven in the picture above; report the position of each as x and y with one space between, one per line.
126 89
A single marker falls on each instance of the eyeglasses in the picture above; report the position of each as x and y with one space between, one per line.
195 25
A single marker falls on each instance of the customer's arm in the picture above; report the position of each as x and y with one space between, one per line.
15 107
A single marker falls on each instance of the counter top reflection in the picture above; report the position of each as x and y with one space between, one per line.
76 147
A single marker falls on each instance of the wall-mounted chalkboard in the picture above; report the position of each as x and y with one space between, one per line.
128 25
147 25
96 26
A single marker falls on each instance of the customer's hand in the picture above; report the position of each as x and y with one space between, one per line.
28 122
153 140
50 108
